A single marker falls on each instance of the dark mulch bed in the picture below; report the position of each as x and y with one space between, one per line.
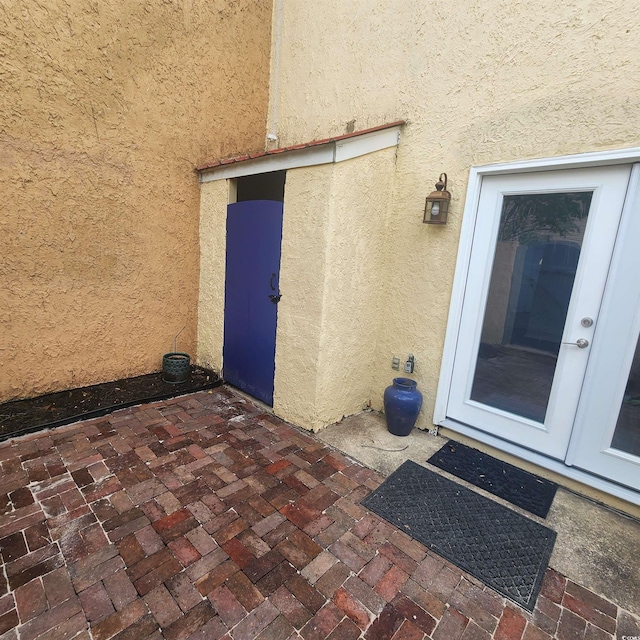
55 409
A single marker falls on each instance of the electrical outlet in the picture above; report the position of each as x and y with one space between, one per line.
395 363
409 364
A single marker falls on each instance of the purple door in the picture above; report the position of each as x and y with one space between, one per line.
254 234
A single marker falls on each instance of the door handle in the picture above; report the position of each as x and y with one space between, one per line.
275 299
273 275
582 343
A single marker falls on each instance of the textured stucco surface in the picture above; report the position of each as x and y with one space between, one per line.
357 266
214 199
305 232
332 270
478 82
106 109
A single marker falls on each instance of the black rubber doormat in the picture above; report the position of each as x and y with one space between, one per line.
500 547
524 489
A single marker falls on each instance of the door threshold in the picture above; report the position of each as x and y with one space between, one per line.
555 466
247 396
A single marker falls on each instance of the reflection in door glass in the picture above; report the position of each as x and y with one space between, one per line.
627 434
534 267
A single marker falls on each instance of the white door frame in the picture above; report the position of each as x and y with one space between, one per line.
603 158
607 378
607 186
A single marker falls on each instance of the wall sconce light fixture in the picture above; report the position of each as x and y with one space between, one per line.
436 206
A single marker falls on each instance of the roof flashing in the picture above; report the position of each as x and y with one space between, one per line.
316 152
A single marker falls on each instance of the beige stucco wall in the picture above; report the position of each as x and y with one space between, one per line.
478 82
214 199
305 232
336 220
358 258
106 109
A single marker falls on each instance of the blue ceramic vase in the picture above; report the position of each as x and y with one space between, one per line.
402 402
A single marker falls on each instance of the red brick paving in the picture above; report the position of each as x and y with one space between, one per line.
204 518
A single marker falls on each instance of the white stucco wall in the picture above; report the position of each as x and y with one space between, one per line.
478 82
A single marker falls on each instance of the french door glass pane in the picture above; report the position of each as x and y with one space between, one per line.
627 434
534 266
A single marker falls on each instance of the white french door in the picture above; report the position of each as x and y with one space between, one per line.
539 359
606 438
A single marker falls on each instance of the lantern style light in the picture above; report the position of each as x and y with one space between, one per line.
436 206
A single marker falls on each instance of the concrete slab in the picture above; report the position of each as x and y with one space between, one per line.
365 438
596 546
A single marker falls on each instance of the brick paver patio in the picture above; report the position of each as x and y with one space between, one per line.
202 517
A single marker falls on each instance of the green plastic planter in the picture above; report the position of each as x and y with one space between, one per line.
176 367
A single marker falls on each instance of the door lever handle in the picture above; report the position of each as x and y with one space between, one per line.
582 343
